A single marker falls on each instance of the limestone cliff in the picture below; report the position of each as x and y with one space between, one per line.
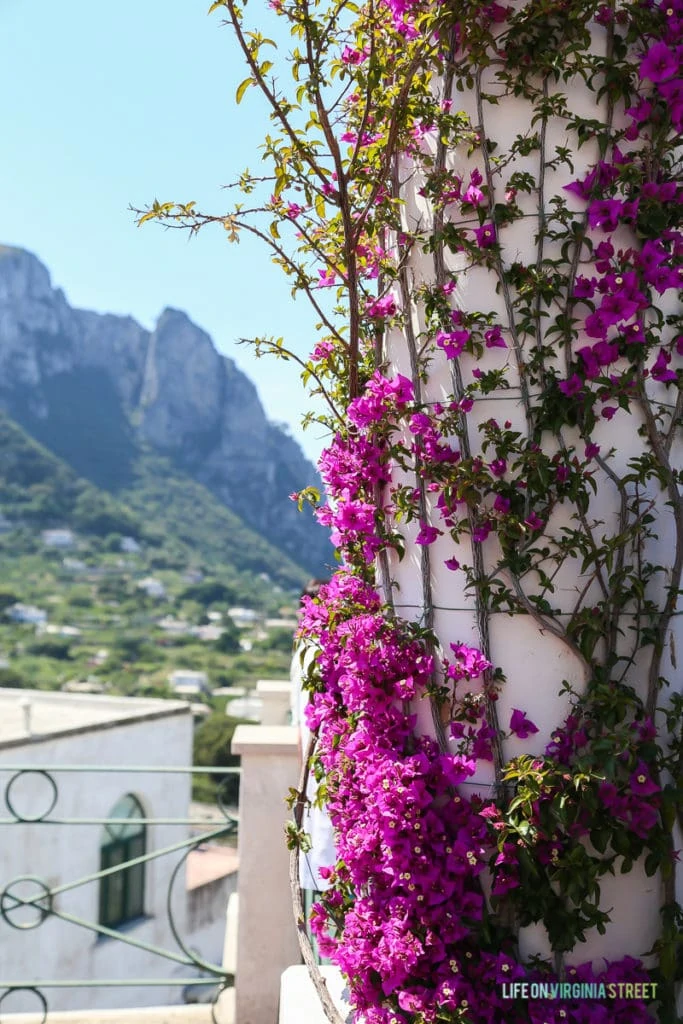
98 388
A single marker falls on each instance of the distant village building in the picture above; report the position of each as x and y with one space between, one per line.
26 613
243 617
207 633
187 682
74 565
249 707
282 623
84 686
174 627
52 729
152 587
193 576
53 629
61 538
200 711
99 657
130 546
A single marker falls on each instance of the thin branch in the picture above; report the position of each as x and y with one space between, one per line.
287 353
673 591
300 147
319 983
548 626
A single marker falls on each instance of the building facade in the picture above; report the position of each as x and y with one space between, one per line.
62 829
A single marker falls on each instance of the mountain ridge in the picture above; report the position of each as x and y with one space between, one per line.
99 390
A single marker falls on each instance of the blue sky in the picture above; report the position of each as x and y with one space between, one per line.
107 105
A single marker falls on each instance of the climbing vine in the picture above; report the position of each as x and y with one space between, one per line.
395 182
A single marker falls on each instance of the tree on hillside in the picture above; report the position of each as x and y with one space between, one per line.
212 740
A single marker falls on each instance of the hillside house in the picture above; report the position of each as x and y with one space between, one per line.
152 587
127 741
60 538
243 617
130 546
187 682
26 613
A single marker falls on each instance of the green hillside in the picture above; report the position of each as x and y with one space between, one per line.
160 507
101 627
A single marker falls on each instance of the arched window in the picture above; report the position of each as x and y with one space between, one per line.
122 893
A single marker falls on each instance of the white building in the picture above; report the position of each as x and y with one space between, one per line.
130 546
26 613
152 587
60 538
54 629
243 617
58 729
209 633
173 626
185 680
74 564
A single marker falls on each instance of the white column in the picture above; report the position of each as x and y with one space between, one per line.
276 695
266 936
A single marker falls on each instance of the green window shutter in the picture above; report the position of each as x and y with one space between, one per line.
122 893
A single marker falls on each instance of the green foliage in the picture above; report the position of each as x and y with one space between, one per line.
162 508
277 640
9 677
51 647
212 741
229 640
7 599
208 592
190 519
39 490
131 647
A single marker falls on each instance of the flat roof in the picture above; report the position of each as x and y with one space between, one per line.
208 863
53 714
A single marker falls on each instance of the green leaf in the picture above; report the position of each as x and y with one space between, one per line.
242 88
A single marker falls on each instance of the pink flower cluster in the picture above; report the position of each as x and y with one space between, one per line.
354 463
403 916
622 191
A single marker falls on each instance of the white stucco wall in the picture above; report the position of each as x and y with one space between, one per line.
535 663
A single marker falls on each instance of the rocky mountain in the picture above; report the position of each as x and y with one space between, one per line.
101 392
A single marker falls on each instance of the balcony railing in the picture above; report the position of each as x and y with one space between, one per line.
31 901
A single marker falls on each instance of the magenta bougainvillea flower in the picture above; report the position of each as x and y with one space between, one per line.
659 64
641 782
427 534
494 338
486 236
452 342
660 369
520 725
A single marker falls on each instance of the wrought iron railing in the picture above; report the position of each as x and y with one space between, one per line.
27 900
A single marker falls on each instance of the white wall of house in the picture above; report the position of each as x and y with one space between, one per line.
127 732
